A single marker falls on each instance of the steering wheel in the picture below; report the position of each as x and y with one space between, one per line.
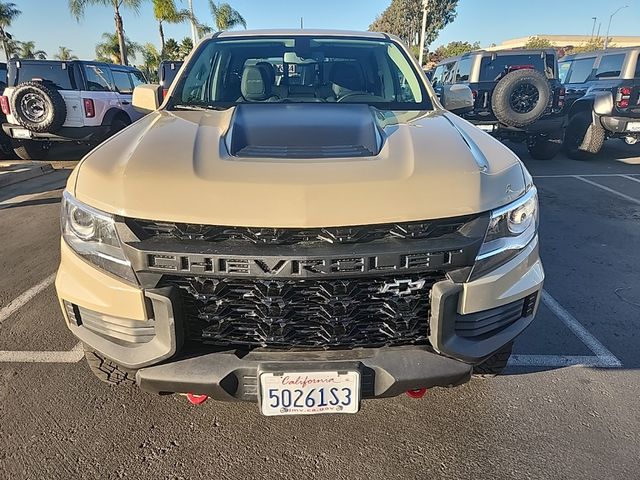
362 95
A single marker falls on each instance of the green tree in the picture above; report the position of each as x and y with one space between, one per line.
536 43
225 17
151 61
8 13
166 11
28 50
186 45
404 19
65 54
596 43
109 49
452 49
78 7
171 50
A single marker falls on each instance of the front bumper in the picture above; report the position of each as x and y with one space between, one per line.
460 312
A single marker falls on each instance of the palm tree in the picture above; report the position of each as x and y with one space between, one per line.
225 17
77 8
65 54
171 50
166 11
109 49
186 45
8 13
28 50
150 61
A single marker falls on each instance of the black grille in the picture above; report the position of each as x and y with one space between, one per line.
357 312
295 236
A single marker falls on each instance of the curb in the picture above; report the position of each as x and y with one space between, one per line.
20 174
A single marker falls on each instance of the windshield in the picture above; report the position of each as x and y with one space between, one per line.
301 69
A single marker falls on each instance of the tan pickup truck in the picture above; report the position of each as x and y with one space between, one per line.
301 224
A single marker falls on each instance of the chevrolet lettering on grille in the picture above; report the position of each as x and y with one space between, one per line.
299 267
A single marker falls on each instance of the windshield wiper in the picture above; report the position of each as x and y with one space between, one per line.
198 107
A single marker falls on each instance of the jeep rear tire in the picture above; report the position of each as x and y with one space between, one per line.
38 107
108 371
584 138
543 147
521 98
495 364
31 149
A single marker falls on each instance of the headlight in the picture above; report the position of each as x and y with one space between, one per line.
511 228
92 235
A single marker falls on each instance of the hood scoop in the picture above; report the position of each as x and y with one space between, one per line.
282 130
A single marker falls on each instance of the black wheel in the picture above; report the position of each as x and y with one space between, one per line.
584 138
107 371
495 364
31 149
543 147
521 98
38 107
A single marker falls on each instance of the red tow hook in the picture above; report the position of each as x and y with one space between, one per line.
197 399
417 393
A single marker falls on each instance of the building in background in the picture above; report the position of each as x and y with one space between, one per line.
567 41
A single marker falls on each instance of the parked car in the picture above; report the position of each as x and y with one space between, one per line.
517 93
6 149
50 101
301 237
603 99
167 72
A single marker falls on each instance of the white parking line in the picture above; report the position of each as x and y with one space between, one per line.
558 361
610 190
72 356
15 304
602 353
629 177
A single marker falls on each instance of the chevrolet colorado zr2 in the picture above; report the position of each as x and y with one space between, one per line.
299 224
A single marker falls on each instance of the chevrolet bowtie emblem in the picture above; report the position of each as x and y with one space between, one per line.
403 287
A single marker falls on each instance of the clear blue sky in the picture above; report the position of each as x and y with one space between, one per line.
49 24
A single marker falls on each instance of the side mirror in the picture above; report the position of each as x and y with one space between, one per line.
147 98
457 99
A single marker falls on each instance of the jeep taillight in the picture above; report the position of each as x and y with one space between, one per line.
89 108
4 104
562 95
475 94
623 97
165 91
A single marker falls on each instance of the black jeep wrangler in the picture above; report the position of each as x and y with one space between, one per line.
603 99
517 93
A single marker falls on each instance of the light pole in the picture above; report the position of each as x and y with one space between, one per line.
606 39
593 29
425 5
194 30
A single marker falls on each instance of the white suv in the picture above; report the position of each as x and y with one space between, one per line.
55 101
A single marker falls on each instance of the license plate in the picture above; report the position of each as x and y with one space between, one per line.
487 128
309 393
21 133
633 127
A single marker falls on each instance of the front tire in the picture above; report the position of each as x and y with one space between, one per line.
30 149
584 138
495 364
108 371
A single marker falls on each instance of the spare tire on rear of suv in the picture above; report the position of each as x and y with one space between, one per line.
521 98
38 107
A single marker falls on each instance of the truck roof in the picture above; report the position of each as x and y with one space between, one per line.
298 32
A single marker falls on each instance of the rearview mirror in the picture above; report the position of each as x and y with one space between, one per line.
147 98
457 98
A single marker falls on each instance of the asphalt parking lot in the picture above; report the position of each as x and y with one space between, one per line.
568 406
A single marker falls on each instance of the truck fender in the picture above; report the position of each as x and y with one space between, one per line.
601 103
111 114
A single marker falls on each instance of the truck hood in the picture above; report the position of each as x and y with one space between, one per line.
176 166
